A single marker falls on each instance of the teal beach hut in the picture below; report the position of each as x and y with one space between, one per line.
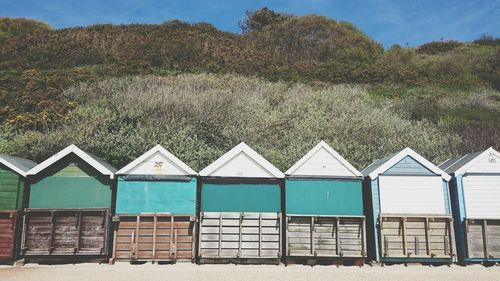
475 196
240 216
324 207
155 208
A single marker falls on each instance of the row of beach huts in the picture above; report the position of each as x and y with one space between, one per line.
75 207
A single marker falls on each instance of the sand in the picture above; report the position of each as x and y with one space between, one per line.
186 271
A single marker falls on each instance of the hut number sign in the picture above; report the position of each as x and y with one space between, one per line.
492 159
158 165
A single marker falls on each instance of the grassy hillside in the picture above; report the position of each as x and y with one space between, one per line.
200 116
57 86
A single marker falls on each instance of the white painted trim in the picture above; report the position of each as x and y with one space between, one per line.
402 154
242 147
13 167
330 150
149 153
462 170
80 153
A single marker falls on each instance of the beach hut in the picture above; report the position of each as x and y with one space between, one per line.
155 209
475 196
240 218
324 208
12 182
408 210
70 199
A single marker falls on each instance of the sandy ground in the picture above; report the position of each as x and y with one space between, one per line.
186 271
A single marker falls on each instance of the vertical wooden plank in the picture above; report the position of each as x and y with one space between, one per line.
467 238
132 245
452 236
260 234
287 248
51 240
382 238
172 235
175 244
337 236
200 235
311 233
239 235
220 235
137 235
485 239
113 255
364 237
193 236
106 216
405 250
155 219
280 235
427 237
23 235
79 231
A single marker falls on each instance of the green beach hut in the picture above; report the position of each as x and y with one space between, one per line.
12 184
70 201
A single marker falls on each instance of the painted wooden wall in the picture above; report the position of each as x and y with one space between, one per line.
322 163
482 196
11 189
406 172
488 164
323 197
162 196
70 183
240 197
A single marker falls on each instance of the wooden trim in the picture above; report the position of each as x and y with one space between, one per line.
260 234
427 237
172 236
23 234
364 237
137 237
239 234
113 255
405 247
338 249
51 240
79 230
485 239
193 236
220 235
311 233
155 220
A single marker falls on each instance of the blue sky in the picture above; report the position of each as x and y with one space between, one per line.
387 21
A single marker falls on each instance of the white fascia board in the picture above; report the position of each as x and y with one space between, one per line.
462 170
330 150
158 148
242 147
408 152
80 153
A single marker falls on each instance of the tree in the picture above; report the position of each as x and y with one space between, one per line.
256 20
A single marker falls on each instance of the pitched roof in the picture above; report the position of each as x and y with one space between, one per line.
165 153
246 162
19 165
96 162
459 165
380 166
338 165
